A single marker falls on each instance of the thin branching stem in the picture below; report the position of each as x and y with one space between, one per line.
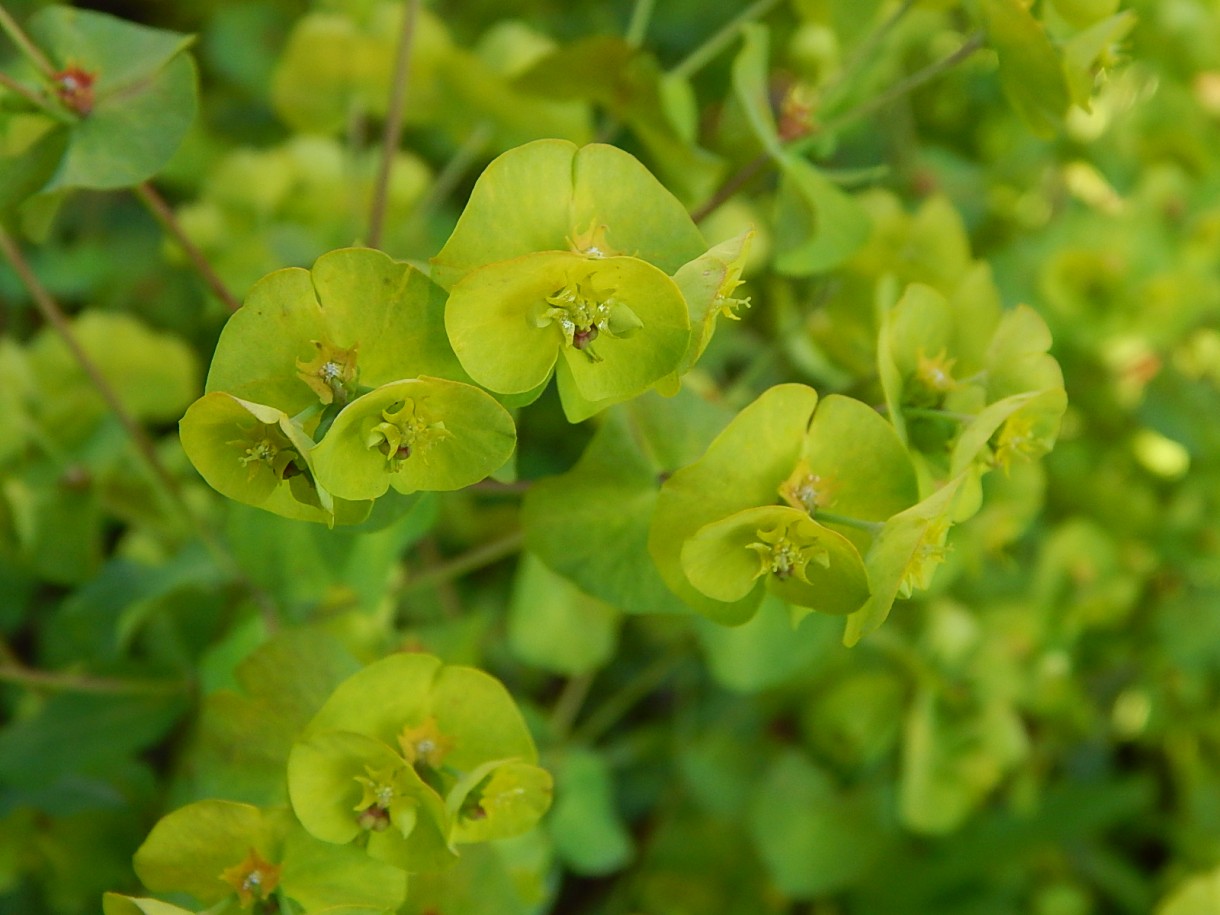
755 166
697 59
54 316
865 52
393 123
612 710
34 98
898 90
165 216
637 27
568 705
871 527
13 670
451 174
31 51
481 556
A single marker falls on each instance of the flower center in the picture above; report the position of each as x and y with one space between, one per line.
786 550
582 313
406 429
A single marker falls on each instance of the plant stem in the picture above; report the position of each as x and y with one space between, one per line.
457 166
54 316
755 166
896 91
30 95
641 14
925 413
702 55
865 51
735 183
13 670
23 43
165 216
568 705
872 527
477 558
620 703
393 123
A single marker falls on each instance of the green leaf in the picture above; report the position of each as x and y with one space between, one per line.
143 99
1198 894
550 195
245 734
630 84
31 146
1031 70
591 524
154 374
751 83
589 834
743 468
817 225
855 465
1082 51
552 625
189 849
952 760
418 434
768 649
814 837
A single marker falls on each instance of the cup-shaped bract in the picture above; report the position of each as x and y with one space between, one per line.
214 849
343 785
256 454
741 469
790 495
551 195
779 547
497 800
415 434
708 284
407 744
307 337
618 324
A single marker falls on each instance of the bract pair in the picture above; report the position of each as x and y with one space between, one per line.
330 386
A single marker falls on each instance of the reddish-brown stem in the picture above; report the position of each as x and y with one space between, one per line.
165 216
393 123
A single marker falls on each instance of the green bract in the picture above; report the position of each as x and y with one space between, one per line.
719 530
550 195
418 756
615 325
226 852
306 337
256 454
313 344
422 433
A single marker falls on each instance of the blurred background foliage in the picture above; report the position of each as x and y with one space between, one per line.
1039 733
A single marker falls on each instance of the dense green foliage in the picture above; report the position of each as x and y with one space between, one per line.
860 558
